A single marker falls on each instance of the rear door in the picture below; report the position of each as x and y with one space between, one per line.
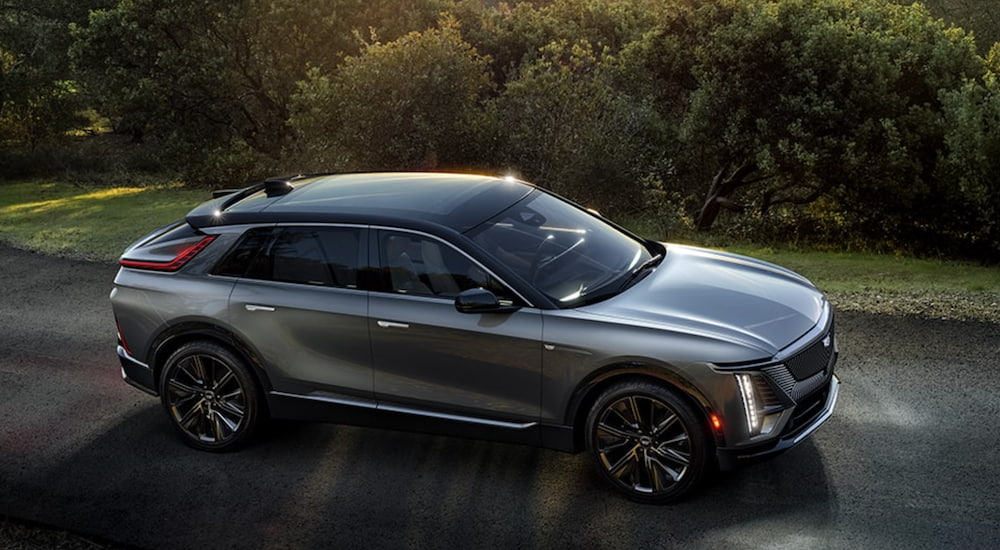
428 357
300 305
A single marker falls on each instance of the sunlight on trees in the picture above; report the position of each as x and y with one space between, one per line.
850 121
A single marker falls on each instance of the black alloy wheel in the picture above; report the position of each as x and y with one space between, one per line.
210 397
647 442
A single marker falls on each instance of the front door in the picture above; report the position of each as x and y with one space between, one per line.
429 357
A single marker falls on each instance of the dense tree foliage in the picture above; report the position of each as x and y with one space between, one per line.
407 104
855 121
834 98
972 164
39 97
564 122
981 17
215 79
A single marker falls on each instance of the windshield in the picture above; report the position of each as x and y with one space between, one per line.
568 254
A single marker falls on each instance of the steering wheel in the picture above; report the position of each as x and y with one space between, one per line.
538 263
536 258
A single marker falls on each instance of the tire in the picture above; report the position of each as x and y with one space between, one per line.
647 442
210 397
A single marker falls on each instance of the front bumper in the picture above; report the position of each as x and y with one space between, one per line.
730 457
136 373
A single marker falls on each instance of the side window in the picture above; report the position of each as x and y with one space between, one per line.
312 256
236 262
426 267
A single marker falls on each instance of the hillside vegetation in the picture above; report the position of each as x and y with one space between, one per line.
981 17
857 124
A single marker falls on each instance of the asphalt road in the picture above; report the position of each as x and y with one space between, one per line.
909 459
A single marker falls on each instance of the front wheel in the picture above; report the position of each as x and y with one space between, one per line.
210 397
647 441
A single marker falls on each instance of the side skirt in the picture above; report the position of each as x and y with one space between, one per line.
363 412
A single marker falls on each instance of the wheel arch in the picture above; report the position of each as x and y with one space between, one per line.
179 334
587 392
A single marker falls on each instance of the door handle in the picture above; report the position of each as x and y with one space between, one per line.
255 307
390 324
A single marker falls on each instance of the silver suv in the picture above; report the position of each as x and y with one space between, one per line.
472 306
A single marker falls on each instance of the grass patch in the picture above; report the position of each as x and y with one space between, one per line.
860 272
867 282
57 217
846 272
895 285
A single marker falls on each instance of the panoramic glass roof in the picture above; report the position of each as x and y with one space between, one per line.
456 200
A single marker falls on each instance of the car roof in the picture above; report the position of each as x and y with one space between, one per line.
416 200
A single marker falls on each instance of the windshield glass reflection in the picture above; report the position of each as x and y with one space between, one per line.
563 251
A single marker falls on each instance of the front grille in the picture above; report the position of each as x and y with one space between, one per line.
813 359
806 411
804 373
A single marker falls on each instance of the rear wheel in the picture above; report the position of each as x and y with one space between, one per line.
647 441
210 397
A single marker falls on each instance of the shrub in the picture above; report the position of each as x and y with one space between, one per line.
412 103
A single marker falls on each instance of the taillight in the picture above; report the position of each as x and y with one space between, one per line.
183 256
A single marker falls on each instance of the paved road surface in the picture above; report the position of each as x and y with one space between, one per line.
908 461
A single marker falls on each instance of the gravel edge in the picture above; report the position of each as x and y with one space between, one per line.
981 306
17 534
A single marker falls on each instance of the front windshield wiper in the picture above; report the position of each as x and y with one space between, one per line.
607 291
643 268
635 275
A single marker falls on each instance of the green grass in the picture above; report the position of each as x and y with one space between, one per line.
860 272
843 272
57 217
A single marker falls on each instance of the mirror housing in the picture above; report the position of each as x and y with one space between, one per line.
480 300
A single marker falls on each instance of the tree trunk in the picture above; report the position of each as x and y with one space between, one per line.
719 192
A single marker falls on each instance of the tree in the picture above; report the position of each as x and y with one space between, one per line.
981 17
563 123
412 103
39 98
215 79
513 35
972 163
794 100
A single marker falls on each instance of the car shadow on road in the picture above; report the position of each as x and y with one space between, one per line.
310 485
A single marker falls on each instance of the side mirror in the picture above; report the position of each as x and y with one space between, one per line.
480 300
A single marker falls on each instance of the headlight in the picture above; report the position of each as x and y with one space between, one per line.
758 407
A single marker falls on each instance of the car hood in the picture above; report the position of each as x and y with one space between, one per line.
722 296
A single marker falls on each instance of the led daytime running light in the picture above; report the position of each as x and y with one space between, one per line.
749 402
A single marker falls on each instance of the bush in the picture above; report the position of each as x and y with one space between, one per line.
562 123
412 103
972 165
793 101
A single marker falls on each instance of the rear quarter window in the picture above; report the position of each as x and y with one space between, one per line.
318 256
238 260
